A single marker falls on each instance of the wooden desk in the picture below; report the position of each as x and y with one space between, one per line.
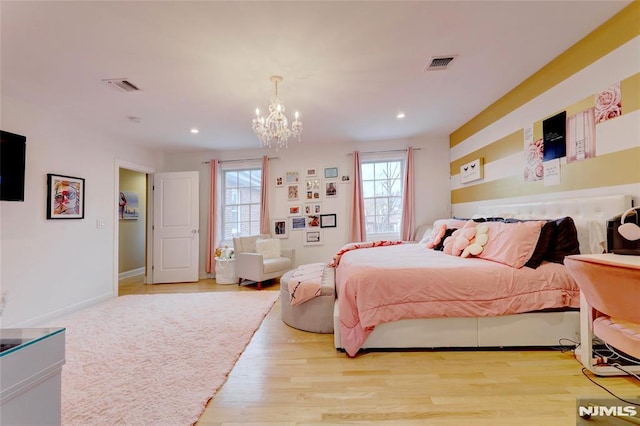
611 265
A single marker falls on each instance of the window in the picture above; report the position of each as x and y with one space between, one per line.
382 192
241 202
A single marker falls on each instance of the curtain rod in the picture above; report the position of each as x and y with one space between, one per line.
238 161
382 152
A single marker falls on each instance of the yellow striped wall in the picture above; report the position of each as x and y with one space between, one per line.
608 55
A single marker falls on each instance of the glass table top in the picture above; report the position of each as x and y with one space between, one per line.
13 339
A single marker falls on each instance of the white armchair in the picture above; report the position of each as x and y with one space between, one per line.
255 263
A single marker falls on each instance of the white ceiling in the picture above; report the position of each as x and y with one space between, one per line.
348 67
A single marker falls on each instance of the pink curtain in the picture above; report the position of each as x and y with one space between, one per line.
358 225
407 225
211 219
265 226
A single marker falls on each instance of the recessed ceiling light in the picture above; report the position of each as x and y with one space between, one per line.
194 131
400 115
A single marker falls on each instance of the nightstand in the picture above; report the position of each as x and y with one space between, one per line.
611 282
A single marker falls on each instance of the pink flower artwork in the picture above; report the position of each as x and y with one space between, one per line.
608 103
533 154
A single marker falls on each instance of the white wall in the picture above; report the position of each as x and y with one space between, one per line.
432 185
50 267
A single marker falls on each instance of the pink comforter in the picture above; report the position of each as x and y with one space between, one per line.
384 284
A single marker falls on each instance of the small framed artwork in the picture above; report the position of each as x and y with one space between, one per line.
313 238
327 221
279 182
65 197
292 177
331 188
128 205
313 189
295 211
330 172
280 228
345 179
292 192
312 172
298 223
471 171
311 208
313 221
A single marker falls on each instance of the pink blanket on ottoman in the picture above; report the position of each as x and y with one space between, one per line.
305 282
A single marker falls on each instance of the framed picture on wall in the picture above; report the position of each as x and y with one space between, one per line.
313 238
312 208
295 211
298 223
65 197
327 221
279 182
128 205
313 189
330 172
279 228
313 221
311 172
292 192
292 177
331 188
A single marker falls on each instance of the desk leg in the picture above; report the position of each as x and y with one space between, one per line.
585 352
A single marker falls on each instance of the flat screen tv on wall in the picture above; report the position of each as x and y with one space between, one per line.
12 166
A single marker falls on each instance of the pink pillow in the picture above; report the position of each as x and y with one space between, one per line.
511 243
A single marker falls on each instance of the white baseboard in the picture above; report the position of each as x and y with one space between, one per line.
42 319
132 273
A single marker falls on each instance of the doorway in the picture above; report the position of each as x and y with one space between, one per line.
132 224
132 218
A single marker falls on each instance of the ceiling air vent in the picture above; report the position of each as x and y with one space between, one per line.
122 84
439 63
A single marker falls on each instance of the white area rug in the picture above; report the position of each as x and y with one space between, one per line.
154 359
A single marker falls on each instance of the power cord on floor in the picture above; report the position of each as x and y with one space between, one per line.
619 367
570 347
617 355
584 372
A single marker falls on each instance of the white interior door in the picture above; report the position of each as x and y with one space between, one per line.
175 227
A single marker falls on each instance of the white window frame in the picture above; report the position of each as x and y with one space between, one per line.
381 235
253 229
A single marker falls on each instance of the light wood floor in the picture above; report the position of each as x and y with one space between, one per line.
291 377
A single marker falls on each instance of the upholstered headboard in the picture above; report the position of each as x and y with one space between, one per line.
590 215
597 208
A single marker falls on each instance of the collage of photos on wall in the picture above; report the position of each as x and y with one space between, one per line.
305 193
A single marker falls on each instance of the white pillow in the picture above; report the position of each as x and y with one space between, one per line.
424 233
268 248
592 235
427 236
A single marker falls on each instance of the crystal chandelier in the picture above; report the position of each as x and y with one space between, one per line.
274 130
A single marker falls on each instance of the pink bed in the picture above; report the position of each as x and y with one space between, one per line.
385 284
